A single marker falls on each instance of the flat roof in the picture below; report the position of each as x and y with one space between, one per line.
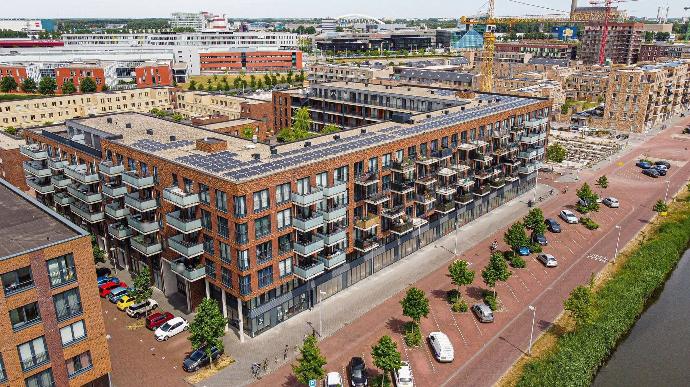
229 123
9 142
26 224
406 91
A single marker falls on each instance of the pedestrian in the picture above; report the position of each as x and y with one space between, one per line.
285 352
265 367
276 359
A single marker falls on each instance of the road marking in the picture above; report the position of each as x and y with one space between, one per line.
571 250
434 317
474 320
512 292
597 257
455 322
535 277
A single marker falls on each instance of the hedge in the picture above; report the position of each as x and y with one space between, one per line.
577 355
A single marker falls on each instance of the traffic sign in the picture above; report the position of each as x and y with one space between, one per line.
312 383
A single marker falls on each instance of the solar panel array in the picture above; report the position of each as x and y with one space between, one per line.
155 146
214 162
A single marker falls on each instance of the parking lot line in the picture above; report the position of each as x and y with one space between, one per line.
534 276
455 322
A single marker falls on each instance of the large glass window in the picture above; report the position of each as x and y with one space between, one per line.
72 333
245 284
243 260
208 245
241 233
206 220
284 244
285 267
283 193
42 379
17 281
264 252
261 202
265 277
262 227
240 206
226 277
61 270
25 316
3 372
224 250
204 196
221 201
210 269
33 353
67 304
79 364
284 219
223 227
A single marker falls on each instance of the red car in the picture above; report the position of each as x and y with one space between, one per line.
104 290
157 319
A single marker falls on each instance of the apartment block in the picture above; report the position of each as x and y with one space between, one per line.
11 160
587 83
54 333
251 61
76 73
153 75
17 72
622 45
205 104
270 230
540 49
324 72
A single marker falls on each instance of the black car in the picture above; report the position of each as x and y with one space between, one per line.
664 163
539 238
358 372
103 272
660 170
552 225
198 358
651 172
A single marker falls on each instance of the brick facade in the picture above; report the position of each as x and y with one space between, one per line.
76 74
153 75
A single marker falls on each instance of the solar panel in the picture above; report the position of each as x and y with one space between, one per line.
149 145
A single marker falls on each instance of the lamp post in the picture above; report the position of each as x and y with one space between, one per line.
666 195
455 249
321 293
531 335
536 182
618 239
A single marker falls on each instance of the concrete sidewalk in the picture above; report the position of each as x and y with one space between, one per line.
348 305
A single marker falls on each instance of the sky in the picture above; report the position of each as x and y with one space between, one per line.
308 8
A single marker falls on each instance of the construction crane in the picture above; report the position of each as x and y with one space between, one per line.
607 4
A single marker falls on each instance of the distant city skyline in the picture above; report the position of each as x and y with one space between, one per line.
305 8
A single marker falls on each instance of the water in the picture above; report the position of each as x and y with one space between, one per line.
657 351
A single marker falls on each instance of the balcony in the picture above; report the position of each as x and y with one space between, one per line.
145 247
366 245
190 273
333 260
368 222
442 153
108 168
482 190
532 138
116 211
425 160
468 147
62 199
60 181
446 190
425 199
497 183
84 194
338 187
184 225
401 226
36 168
308 247
402 166
133 200
463 199
367 178
142 226
308 271
119 231
465 182
334 237
57 164
33 151
81 174
307 224
40 185
392 213
529 168
334 213
447 172
403 187
114 190
529 153
513 176
445 208
309 198
482 158
460 167
180 198
137 180
378 198
82 210
426 180
188 249
535 123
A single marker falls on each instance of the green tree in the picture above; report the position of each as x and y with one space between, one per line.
330 128
247 132
12 131
177 117
310 363
105 87
535 221
516 236
267 80
496 270
603 182
237 83
192 85
8 84
556 153
589 198
289 77
283 79
98 253
259 84
302 120
660 206
415 305
649 36
460 275
141 289
386 356
580 304
88 85
208 327
68 87
252 81
28 85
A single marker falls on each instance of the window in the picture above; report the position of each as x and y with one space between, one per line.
67 304
3 373
208 245
373 164
261 202
284 219
303 186
285 267
33 353
386 161
72 333
206 220
224 252
262 227
42 379
264 252
265 277
243 260
226 277
221 201
283 193
223 227
284 244
25 316
240 206
241 233
322 179
210 269
245 284
204 196
340 174
17 281
61 270
79 364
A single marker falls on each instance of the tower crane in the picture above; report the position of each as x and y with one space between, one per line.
607 4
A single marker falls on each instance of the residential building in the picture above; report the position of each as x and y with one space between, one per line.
53 330
540 48
250 61
11 160
203 104
76 73
436 78
188 20
153 74
22 25
18 73
622 45
325 72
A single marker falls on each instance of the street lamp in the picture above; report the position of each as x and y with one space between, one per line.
617 241
531 335
536 182
455 249
321 293
666 195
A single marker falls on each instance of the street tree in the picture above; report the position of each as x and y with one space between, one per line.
141 290
556 153
660 206
252 81
535 221
68 87
8 84
192 85
386 356
415 304
603 182
98 253
28 85
310 363
208 328
588 199
47 86
267 80
88 85
516 236
460 275
330 128
259 84
580 305
496 270
247 132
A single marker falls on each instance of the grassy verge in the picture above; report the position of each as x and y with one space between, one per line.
207 372
17 97
568 356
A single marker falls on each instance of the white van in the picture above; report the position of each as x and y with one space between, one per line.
443 349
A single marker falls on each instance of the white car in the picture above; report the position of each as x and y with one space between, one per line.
142 308
443 348
568 216
403 376
611 202
333 379
548 260
171 328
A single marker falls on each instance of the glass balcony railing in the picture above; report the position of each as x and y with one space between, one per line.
81 174
84 194
334 213
145 246
188 249
37 168
307 224
309 198
62 199
334 236
181 224
109 168
137 180
368 222
40 185
190 273
180 198
308 246
114 190
133 200
57 164
119 231
307 271
33 151
332 260
60 181
338 187
116 211
83 211
141 225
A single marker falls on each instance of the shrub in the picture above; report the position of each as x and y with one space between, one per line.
589 223
491 300
459 306
377 381
508 255
581 209
413 335
536 248
453 296
517 262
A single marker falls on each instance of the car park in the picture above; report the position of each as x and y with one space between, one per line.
539 238
125 302
117 293
333 379
552 225
644 164
142 308
105 289
442 347
568 216
157 319
611 202
199 358
171 328
483 312
524 251
663 163
403 375
548 260
358 372
651 172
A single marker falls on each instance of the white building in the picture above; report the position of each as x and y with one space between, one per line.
23 25
328 25
193 20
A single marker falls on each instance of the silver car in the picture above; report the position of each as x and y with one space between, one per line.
548 260
611 202
483 313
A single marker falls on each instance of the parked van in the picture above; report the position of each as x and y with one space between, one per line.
443 348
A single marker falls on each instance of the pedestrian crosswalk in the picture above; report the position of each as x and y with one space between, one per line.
597 257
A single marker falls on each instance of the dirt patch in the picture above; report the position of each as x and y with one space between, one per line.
207 372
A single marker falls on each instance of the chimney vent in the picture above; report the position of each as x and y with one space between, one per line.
363 131
173 138
274 151
148 131
109 120
256 156
128 125
336 137
307 144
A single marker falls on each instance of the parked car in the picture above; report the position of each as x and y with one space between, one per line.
644 164
568 216
651 172
103 272
583 202
117 293
403 375
548 260
157 319
663 163
686 130
524 251
198 358
106 288
660 169
125 302
358 372
171 328
333 379
483 312
106 279
611 202
552 225
539 238
443 348
142 308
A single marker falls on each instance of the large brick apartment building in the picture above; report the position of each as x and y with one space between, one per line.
252 61
265 229
622 45
50 312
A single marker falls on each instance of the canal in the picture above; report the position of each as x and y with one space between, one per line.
657 351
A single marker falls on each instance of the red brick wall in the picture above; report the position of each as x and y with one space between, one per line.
261 112
255 61
76 74
151 76
11 168
16 72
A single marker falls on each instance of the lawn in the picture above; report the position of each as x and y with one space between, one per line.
218 79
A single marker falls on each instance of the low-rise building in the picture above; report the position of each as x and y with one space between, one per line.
153 74
250 61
